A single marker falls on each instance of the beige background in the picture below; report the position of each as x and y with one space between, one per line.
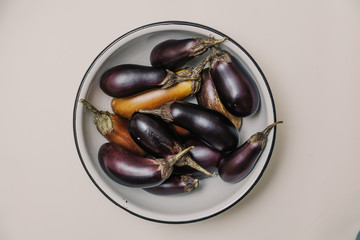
308 50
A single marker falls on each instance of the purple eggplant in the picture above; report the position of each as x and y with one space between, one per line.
236 87
132 170
129 79
238 164
174 53
175 185
159 139
209 125
209 98
203 154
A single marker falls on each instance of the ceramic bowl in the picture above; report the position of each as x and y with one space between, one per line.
213 195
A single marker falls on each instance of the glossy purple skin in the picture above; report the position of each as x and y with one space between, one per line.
128 169
209 125
239 163
203 154
129 79
172 54
172 186
153 135
236 87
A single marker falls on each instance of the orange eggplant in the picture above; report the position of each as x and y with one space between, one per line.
114 129
152 99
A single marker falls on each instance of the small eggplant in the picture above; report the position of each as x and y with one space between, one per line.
151 99
131 170
175 185
174 53
209 125
114 128
209 98
155 98
236 87
159 139
239 163
203 154
128 79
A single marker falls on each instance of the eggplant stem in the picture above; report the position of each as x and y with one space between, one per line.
218 55
202 45
102 119
261 137
173 78
90 107
191 183
195 87
188 161
198 69
166 164
189 74
268 128
213 42
162 112
174 158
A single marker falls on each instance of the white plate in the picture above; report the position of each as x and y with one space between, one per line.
213 195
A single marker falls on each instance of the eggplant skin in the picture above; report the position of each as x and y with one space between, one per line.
209 98
235 166
203 154
153 135
175 185
129 79
128 169
152 99
172 54
209 125
236 88
239 163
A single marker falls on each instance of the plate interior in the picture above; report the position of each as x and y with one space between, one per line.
213 195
